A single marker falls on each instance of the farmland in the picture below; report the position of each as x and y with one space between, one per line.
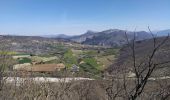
88 60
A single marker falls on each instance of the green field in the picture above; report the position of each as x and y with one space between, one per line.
89 61
24 60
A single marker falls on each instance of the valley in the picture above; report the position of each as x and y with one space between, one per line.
102 60
37 54
84 50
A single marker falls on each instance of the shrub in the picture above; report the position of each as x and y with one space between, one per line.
69 59
90 66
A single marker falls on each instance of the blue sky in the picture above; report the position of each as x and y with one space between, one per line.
72 17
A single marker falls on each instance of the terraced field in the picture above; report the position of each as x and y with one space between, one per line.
90 61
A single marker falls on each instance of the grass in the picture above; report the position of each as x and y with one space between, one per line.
91 53
7 53
106 61
44 59
20 54
69 58
90 65
24 60
111 52
76 52
88 68
91 61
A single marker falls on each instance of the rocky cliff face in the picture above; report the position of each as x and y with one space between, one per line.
83 37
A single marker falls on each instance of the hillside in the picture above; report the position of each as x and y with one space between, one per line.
27 50
40 45
142 50
30 44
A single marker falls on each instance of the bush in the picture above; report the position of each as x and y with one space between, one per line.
111 52
90 66
69 59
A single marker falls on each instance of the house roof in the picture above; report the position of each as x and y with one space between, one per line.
43 67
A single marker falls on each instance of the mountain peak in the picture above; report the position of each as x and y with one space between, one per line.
112 30
90 32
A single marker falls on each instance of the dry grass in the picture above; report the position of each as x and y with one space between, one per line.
80 90
75 90
106 61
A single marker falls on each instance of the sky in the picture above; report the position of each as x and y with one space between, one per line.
73 17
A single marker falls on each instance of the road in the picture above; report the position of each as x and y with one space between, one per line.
19 80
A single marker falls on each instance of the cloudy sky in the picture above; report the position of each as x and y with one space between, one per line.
72 17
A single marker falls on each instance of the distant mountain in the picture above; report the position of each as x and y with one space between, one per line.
61 36
162 32
81 38
111 37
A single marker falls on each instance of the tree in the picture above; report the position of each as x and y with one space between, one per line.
4 61
142 69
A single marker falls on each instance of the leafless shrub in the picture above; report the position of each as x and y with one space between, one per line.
5 61
133 88
144 69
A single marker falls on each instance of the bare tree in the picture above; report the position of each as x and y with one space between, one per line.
4 61
145 68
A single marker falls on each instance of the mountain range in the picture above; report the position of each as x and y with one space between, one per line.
111 37
114 37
